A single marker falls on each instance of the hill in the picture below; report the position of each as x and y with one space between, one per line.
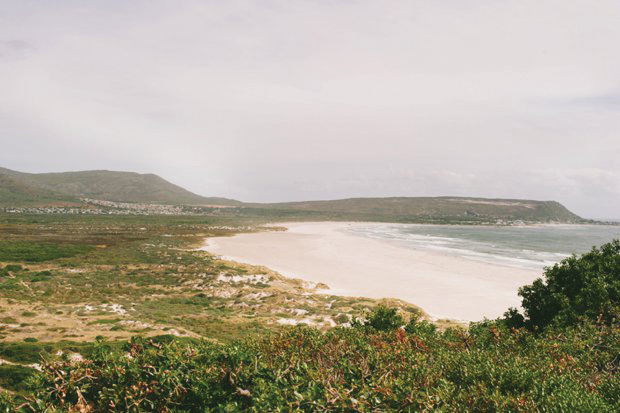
405 209
28 189
18 188
16 192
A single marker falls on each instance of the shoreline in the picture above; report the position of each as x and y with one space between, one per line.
443 285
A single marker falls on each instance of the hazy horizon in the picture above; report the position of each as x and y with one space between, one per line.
299 100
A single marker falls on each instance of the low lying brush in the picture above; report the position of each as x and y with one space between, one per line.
488 368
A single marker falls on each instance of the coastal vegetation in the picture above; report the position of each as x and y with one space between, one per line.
486 368
66 280
138 319
584 287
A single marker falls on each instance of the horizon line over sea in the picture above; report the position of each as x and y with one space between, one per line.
528 247
452 272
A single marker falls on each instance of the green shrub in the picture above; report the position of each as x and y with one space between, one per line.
422 327
39 251
341 319
15 378
8 402
384 319
488 368
587 286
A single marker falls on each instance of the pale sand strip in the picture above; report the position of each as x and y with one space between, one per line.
445 286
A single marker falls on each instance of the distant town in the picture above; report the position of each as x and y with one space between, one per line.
102 207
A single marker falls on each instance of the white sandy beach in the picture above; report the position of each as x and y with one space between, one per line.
445 286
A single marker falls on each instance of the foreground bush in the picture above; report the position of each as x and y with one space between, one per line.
579 287
488 368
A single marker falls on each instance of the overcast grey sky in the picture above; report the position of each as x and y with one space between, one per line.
293 100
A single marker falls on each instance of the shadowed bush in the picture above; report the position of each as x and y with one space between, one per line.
384 319
579 287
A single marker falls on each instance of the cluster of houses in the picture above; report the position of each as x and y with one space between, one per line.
101 207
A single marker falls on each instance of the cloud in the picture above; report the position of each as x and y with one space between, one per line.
278 100
15 49
609 101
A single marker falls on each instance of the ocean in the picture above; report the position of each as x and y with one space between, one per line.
531 247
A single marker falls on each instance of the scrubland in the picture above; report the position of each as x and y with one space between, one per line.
127 314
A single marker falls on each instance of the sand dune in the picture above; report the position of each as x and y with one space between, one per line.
445 286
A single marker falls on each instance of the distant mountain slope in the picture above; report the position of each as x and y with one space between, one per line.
402 209
25 189
101 185
16 192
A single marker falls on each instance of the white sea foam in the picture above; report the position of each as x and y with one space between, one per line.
523 247
380 260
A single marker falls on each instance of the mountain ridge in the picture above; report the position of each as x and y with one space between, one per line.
400 209
116 186
36 189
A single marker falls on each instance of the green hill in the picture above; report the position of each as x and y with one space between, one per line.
26 189
404 209
18 188
17 192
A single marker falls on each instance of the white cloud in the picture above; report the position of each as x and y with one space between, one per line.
277 100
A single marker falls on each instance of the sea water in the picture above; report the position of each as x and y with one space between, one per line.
531 247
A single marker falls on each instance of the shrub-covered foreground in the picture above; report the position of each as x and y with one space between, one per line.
562 355
488 368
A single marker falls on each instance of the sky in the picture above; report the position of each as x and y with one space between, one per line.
297 100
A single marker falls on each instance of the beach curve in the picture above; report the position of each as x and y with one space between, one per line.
443 285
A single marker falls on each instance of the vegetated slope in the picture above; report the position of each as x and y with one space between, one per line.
104 185
433 208
17 189
16 192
